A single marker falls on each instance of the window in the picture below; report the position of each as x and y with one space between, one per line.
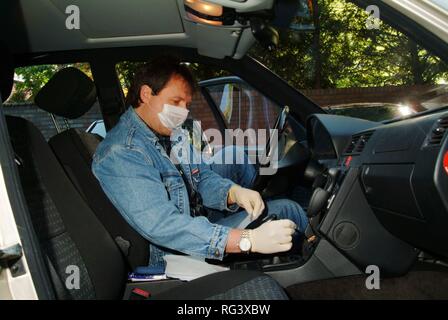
200 110
242 106
440 3
27 83
351 69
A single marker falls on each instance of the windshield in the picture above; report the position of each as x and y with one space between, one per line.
350 63
443 4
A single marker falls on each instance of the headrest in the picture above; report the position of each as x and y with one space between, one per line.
6 73
70 93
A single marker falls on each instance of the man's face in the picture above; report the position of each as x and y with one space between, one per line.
177 93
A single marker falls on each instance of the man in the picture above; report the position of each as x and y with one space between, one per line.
168 202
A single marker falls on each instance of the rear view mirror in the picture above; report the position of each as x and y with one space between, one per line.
296 15
264 33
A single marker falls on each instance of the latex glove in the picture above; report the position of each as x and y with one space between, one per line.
273 236
248 199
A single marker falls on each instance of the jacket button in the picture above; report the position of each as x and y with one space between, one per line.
217 253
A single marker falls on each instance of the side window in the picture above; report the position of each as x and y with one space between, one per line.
200 110
27 83
243 107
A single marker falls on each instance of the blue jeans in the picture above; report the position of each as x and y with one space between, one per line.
240 171
244 174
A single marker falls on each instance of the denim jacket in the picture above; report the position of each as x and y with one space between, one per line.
147 189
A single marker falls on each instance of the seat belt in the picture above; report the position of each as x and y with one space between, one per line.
196 206
195 199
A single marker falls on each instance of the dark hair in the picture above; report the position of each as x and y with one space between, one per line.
156 74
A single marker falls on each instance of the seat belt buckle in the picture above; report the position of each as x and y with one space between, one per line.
139 294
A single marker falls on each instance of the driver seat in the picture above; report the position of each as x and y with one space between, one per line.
71 94
71 236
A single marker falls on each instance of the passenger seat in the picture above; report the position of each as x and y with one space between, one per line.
71 94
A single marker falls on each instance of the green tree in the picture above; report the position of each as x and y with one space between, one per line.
32 79
343 52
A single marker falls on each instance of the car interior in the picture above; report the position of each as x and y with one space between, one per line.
375 193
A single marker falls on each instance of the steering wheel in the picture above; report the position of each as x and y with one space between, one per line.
280 123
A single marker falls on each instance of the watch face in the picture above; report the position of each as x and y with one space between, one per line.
245 244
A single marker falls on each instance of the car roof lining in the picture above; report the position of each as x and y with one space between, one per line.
46 32
109 24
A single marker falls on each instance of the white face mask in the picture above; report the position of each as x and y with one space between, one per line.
172 117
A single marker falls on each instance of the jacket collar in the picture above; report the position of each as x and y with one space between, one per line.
134 120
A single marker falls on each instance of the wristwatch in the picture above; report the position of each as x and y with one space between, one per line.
245 245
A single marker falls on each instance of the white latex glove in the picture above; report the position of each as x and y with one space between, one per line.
248 199
272 236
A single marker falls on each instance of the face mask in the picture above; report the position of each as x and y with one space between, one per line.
172 117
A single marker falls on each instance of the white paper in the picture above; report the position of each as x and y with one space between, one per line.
188 268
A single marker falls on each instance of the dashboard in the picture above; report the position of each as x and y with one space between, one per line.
385 196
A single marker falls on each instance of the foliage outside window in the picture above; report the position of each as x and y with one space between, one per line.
342 52
332 53
29 80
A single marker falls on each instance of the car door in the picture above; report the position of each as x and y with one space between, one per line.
15 278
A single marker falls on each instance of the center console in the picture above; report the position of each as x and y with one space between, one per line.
347 221
343 236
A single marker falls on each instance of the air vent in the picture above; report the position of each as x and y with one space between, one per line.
438 132
358 143
352 145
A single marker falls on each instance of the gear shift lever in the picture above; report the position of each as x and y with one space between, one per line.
262 218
